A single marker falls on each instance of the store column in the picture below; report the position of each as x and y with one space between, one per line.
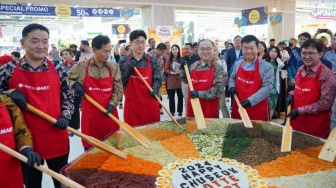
286 28
157 15
66 31
92 27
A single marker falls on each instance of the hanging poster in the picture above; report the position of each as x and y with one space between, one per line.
121 30
171 34
255 16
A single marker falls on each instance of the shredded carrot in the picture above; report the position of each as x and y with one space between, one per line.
181 146
158 134
131 164
314 152
94 160
294 164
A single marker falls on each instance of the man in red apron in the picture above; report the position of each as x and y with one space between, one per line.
314 93
207 78
13 126
141 106
252 81
101 80
36 80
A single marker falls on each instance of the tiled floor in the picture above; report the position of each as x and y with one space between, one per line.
76 147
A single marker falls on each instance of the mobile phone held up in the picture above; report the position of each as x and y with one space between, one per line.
122 41
323 30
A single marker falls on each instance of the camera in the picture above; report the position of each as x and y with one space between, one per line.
323 30
122 41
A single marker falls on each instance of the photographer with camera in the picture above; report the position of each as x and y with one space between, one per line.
117 54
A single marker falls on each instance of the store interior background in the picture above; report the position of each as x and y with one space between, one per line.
213 22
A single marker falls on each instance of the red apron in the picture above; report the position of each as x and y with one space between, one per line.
94 123
10 171
140 108
248 83
203 80
42 90
308 91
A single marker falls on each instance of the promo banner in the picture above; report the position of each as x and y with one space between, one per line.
121 30
171 34
8 9
255 16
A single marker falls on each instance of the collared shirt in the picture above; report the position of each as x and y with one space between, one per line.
190 60
327 80
247 67
156 74
267 75
22 134
331 56
67 66
218 83
88 55
77 74
67 98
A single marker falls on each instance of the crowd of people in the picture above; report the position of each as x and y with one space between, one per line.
264 79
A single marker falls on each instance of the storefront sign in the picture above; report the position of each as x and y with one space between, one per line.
324 14
254 16
9 9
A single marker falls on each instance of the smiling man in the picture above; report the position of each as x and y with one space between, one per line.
141 106
207 78
21 80
252 81
314 92
101 80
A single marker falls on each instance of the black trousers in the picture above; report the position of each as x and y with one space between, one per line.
171 96
75 118
33 177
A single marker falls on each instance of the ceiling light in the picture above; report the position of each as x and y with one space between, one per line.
29 4
274 9
76 6
322 3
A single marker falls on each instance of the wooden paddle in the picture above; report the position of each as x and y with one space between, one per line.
286 143
157 98
91 140
64 180
195 103
127 128
243 114
328 152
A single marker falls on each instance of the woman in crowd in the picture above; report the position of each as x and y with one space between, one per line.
68 63
283 52
230 45
171 67
262 50
274 58
79 56
15 55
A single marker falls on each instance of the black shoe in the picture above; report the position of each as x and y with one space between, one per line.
275 116
283 123
180 114
173 114
161 112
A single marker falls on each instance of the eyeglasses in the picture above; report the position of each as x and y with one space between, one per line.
138 42
205 49
308 53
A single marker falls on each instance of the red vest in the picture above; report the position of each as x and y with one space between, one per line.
140 108
10 171
94 123
42 90
203 80
308 91
247 84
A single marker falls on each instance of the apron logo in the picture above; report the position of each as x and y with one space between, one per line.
38 88
137 77
245 81
203 81
6 130
99 89
302 89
